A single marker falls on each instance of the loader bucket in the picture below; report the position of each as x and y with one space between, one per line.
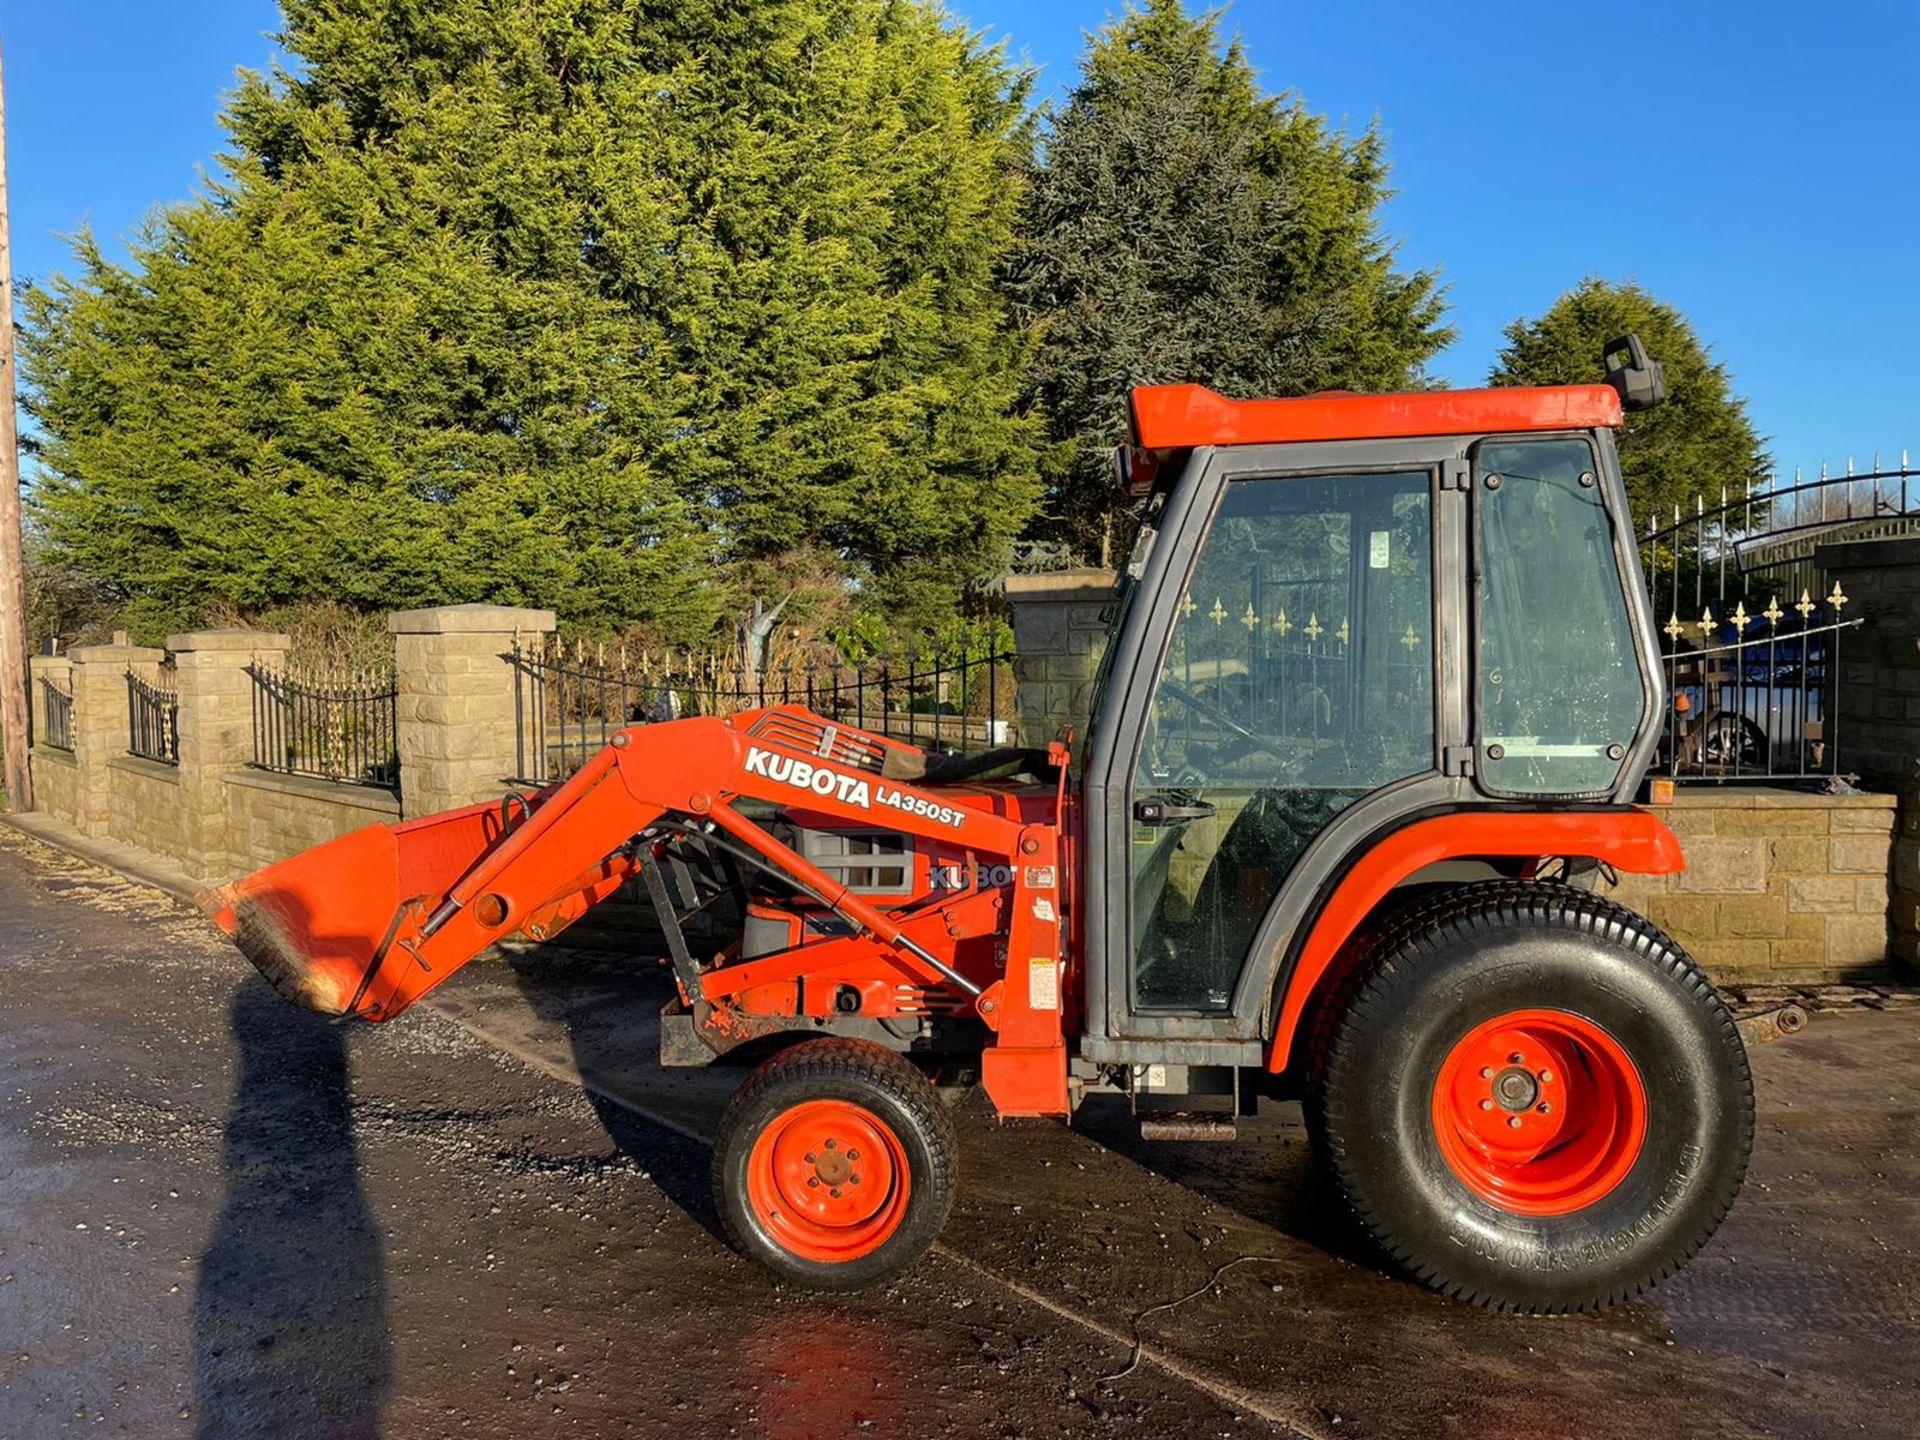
316 925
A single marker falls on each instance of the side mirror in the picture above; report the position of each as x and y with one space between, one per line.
1641 381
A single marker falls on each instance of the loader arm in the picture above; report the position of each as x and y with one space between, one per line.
365 925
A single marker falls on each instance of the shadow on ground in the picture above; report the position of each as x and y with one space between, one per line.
292 1283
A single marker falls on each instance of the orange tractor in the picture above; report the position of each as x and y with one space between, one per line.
1379 687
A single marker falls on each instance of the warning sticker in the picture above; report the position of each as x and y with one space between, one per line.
1043 983
1043 909
1039 877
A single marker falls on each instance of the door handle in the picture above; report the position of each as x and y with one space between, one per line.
1164 810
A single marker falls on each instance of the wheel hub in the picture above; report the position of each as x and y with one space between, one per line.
1516 1089
828 1180
1540 1112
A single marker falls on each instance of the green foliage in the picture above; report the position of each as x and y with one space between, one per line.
1696 443
1186 227
574 303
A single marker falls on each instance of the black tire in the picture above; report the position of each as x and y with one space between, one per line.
915 1133
1450 971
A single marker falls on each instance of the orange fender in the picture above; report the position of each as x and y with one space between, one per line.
1626 838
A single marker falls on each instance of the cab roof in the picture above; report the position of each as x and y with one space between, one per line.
1180 417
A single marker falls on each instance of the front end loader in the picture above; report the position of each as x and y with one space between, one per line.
1379 689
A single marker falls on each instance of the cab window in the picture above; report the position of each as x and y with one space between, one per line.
1560 690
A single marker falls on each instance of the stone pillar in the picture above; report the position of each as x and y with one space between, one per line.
1876 721
1058 634
216 736
456 701
100 729
54 773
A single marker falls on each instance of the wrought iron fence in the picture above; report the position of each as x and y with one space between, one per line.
153 718
341 728
1753 628
56 716
569 700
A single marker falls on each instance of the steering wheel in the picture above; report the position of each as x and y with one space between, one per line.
1250 741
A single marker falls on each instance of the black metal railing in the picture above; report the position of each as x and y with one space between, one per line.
341 728
569 700
1752 627
56 716
153 718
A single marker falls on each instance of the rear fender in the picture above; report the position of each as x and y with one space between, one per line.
1625 837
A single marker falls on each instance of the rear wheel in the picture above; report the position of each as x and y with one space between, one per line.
1533 1099
834 1165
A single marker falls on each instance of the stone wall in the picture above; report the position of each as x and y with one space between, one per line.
214 814
271 817
1058 632
1877 694
56 781
144 806
1780 887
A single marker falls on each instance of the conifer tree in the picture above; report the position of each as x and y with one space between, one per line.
1185 226
1697 443
572 303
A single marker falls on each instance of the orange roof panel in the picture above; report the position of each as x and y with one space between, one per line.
1179 417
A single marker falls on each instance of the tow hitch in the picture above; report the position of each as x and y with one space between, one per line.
1769 1025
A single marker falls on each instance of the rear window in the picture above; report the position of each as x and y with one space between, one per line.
1560 691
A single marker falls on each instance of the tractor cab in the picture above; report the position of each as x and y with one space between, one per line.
1341 614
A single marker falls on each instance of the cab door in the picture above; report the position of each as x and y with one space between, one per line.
1297 681
1285 679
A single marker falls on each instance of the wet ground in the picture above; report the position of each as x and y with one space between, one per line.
220 1216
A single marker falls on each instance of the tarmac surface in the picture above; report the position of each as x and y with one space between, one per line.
221 1216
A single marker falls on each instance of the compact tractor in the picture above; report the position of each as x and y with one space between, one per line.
1379 688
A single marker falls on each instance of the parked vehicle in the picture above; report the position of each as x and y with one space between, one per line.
1381 677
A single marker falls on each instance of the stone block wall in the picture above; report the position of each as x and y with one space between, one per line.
1780 887
1877 689
271 817
1058 633
216 816
144 806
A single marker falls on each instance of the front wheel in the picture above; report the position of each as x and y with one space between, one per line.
1534 1101
834 1165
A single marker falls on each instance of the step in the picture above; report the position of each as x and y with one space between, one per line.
1188 1127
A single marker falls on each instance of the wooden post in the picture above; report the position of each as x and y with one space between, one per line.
13 592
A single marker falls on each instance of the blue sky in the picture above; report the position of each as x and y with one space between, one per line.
1754 164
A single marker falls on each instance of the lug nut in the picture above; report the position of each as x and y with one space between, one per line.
1546 1077
1486 1072
813 1182
809 1157
835 1192
829 1144
853 1154
856 1179
1514 1123
1545 1108
1516 1058
1486 1104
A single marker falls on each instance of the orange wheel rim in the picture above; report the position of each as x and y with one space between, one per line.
828 1180
1540 1112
